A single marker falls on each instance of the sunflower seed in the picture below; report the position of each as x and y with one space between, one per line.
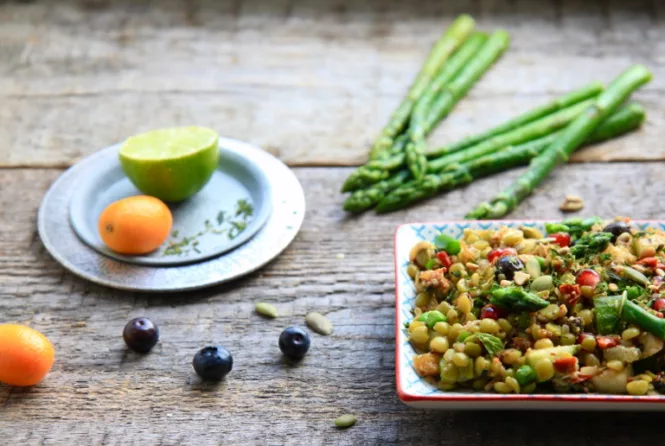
266 310
345 421
319 323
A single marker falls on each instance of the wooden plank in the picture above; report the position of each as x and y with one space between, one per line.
98 393
312 82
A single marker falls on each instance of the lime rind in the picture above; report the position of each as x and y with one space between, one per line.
167 144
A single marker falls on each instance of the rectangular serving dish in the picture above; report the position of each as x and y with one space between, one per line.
417 392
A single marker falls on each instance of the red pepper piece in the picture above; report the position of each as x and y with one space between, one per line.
561 238
496 254
566 365
604 342
444 258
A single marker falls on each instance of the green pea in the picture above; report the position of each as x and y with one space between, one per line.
525 375
431 264
447 243
431 318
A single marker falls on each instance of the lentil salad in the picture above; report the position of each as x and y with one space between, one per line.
513 310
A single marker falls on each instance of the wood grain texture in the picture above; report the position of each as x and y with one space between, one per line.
98 393
311 81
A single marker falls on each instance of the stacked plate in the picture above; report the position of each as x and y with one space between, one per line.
70 210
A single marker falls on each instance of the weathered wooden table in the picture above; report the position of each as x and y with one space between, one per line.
311 82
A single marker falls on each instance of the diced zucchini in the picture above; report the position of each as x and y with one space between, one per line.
552 353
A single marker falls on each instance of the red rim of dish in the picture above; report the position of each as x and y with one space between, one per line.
557 398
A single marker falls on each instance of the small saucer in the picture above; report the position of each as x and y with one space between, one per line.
286 211
204 226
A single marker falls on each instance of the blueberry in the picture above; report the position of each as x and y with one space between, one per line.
213 363
616 229
140 334
294 342
508 266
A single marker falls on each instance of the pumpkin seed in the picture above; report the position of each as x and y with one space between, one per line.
266 310
531 232
532 266
634 275
319 323
542 283
346 420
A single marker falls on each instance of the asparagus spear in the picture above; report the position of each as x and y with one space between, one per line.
561 149
454 36
377 169
589 91
610 310
372 173
529 132
364 199
625 119
429 115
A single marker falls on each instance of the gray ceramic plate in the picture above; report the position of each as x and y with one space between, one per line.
204 226
284 196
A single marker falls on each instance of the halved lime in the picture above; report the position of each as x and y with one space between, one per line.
171 164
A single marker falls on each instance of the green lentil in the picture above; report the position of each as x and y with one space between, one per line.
450 373
460 359
544 369
588 343
480 365
501 387
442 328
454 331
543 343
615 365
472 349
630 333
439 344
513 384
567 339
443 307
412 270
464 303
420 335
637 387
587 317
511 356
505 325
423 299
489 326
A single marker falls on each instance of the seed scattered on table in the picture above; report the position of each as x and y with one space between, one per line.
572 203
319 323
345 421
267 310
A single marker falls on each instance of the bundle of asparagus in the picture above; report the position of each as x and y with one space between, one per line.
445 78
402 170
